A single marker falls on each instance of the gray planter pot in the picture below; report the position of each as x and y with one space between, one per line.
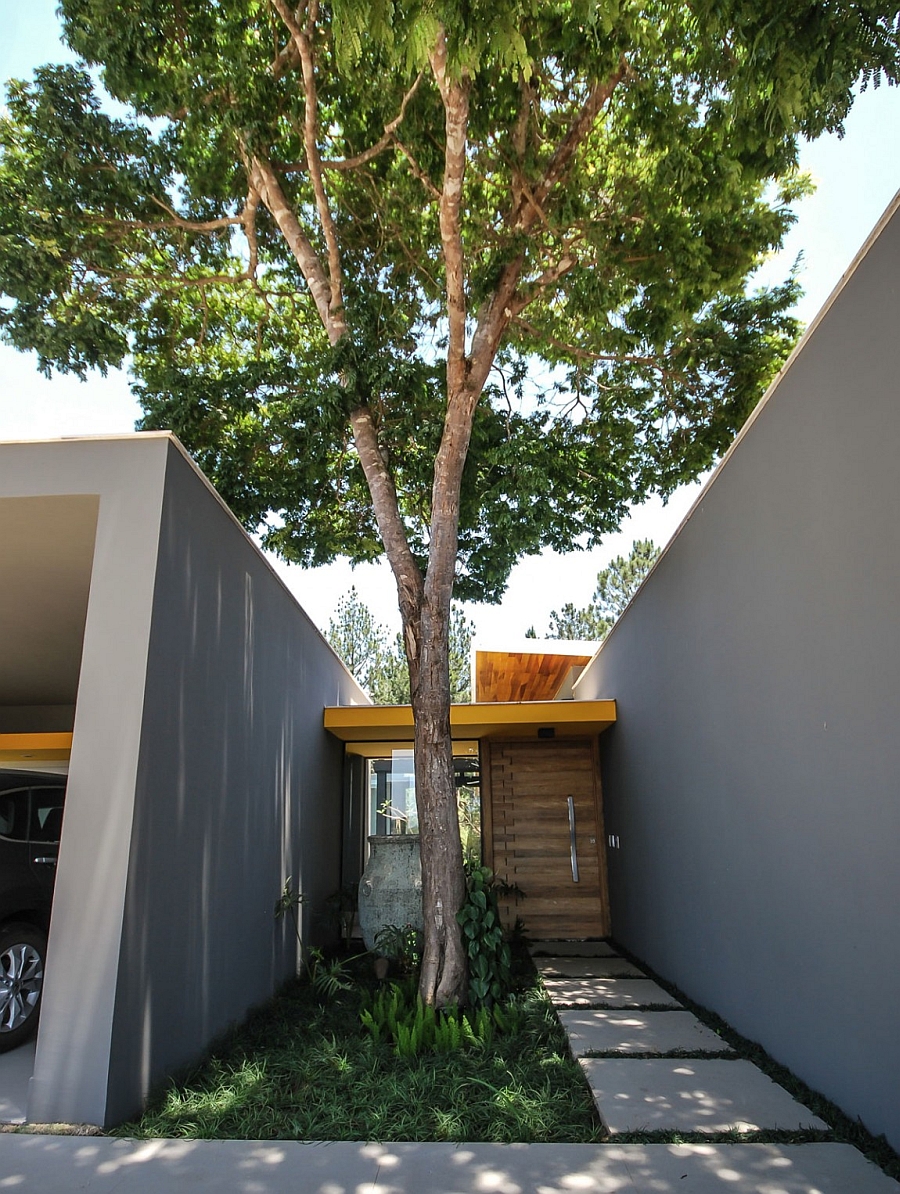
390 892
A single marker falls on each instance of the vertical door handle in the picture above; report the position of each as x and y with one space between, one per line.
572 849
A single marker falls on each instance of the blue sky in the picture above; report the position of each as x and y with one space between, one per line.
856 178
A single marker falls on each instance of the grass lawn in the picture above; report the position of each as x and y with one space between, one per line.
301 1069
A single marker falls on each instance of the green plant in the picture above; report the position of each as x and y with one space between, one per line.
340 908
401 945
327 976
397 1015
489 955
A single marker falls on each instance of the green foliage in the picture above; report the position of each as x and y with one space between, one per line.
616 585
340 908
358 639
289 903
129 238
397 1015
327 976
302 1068
489 955
380 666
403 945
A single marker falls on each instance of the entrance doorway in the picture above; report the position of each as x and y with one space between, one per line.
543 831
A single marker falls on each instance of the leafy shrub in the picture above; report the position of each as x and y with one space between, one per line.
396 1015
490 960
402 945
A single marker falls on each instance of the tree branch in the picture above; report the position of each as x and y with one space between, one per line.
526 211
455 98
417 170
381 145
302 39
265 182
549 277
584 354
387 513
194 225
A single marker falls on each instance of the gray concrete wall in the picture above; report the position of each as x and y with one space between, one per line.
238 789
72 1061
200 779
753 778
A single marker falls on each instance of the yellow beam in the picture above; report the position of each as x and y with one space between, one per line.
17 748
394 723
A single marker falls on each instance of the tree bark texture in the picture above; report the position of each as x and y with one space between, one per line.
443 978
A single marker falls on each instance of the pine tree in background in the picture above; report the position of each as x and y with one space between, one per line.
616 585
379 666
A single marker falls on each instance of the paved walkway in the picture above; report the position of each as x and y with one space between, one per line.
61 1164
709 1090
652 1066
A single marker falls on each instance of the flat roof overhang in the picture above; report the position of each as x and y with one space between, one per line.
394 723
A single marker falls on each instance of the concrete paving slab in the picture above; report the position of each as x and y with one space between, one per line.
596 1031
659 1094
59 1165
611 992
16 1068
587 968
572 949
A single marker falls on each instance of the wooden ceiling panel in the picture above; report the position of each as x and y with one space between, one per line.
522 675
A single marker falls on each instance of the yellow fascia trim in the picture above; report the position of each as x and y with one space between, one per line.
394 723
43 747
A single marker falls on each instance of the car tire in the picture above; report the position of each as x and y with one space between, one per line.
23 954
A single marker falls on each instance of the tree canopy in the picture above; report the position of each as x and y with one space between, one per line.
624 169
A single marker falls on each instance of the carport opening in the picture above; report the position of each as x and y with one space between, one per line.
46 553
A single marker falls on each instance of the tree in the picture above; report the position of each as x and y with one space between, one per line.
330 241
362 643
616 585
570 622
359 640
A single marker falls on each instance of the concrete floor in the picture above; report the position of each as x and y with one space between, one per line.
16 1068
59 1165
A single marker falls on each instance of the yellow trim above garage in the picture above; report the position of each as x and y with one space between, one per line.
394 723
47 748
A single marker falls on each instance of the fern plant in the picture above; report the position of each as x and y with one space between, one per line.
397 1015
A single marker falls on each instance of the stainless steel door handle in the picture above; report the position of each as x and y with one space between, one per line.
48 861
572 849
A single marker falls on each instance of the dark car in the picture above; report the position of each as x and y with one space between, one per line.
31 812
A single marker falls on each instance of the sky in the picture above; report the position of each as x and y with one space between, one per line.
856 177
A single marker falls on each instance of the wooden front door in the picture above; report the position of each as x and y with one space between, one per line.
540 798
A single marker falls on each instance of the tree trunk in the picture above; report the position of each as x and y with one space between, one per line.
443 978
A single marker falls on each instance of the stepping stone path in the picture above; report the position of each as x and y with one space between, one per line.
607 992
596 1031
679 1081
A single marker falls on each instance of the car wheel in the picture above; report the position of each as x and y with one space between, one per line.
23 949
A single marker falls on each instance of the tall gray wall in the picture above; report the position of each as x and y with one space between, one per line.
239 788
201 778
753 777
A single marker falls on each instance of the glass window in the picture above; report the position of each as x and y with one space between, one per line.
14 814
392 794
46 814
392 798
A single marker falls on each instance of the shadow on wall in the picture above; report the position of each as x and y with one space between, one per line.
239 788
